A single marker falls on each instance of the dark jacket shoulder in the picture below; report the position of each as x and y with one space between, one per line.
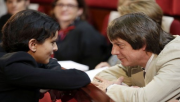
20 56
85 26
3 20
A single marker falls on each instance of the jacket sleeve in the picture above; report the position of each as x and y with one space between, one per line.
164 86
24 75
53 64
114 73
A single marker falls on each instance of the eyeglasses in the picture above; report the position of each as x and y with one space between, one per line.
70 6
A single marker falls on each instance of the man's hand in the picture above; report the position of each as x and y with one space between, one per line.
103 84
102 64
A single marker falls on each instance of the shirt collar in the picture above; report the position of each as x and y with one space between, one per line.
148 63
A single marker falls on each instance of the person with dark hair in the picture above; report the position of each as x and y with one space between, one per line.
78 40
13 6
140 43
29 37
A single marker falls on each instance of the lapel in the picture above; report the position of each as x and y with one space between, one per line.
152 70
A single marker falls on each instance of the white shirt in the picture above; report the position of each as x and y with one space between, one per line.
148 63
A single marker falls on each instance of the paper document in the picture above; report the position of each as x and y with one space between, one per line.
93 72
73 65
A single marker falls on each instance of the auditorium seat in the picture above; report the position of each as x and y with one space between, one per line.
170 7
175 27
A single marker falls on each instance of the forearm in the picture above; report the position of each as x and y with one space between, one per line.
113 73
46 79
158 90
121 93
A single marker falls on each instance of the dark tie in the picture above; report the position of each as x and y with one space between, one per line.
144 73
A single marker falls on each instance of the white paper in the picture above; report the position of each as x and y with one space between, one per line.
92 73
73 65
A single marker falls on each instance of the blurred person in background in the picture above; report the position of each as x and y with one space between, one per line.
78 40
13 6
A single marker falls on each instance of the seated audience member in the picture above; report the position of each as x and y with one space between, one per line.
78 40
13 6
148 7
29 37
139 42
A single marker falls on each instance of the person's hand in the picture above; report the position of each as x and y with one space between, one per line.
103 84
102 64
55 94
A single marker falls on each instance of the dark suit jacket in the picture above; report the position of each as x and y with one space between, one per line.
83 44
3 20
2 52
21 78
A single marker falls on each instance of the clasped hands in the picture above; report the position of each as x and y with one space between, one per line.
104 84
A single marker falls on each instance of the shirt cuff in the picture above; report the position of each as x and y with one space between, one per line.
110 86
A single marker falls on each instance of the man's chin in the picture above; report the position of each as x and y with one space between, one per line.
125 64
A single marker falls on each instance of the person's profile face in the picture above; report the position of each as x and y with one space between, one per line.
44 51
126 54
14 6
66 10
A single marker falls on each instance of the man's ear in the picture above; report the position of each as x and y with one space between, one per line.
32 45
144 47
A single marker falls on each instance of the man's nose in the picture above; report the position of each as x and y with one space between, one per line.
115 50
